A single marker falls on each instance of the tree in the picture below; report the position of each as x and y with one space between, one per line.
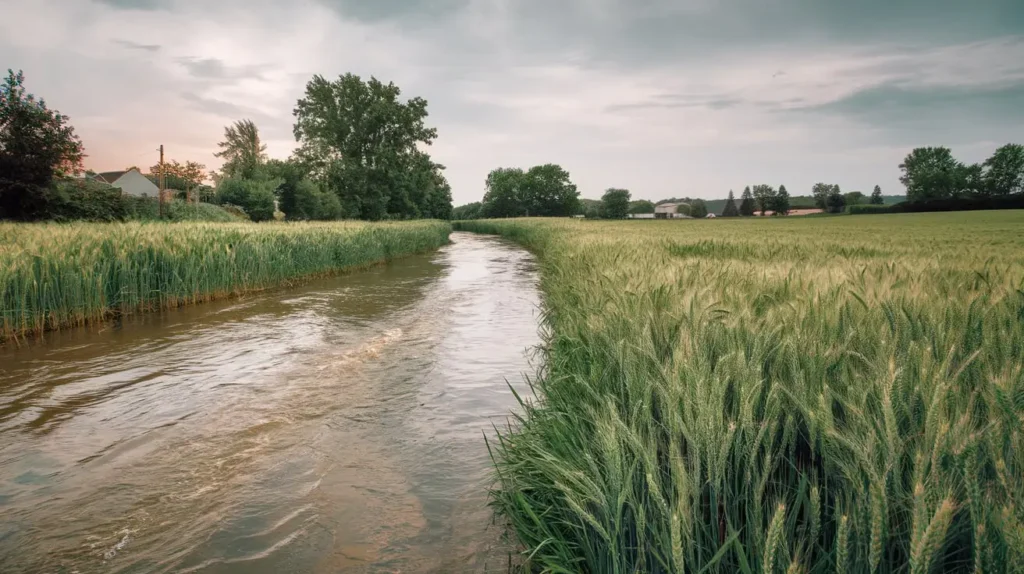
876 196
547 191
730 209
970 181
821 191
242 150
468 211
747 203
615 203
36 144
290 173
763 195
931 173
254 196
641 206
1005 170
684 209
361 142
836 201
780 201
698 209
181 176
502 197
853 197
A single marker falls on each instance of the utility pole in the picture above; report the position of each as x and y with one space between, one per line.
161 180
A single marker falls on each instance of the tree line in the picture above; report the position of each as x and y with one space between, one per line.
360 156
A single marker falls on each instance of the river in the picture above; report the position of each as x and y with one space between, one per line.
334 427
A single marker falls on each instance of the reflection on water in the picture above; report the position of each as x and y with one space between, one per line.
335 427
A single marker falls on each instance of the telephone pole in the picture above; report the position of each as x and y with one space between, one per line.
160 197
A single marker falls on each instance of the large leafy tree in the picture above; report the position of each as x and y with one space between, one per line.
931 173
544 190
780 201
615 203
876 196
1005 170
820 192
363 143
747 205
504 195
764 194
185 177
243 151
836 201
36 144
698 208
730 209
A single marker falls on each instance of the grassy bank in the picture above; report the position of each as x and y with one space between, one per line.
801 395
59 275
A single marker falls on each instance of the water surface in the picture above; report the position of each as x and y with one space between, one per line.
336 427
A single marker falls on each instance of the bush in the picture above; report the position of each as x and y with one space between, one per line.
865 209
947 204
254 196
82 199
147 209
330 206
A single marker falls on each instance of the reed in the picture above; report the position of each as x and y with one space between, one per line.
822 395
60 275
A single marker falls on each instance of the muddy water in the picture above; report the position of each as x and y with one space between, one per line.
337 427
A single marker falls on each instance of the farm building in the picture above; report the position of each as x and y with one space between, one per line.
130 182
668 211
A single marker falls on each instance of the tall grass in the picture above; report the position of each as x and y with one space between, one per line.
59 275
823 395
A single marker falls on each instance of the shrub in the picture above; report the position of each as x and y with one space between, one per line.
82 199
254 196
864 209
330 206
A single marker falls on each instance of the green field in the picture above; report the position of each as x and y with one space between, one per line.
58 275
800 395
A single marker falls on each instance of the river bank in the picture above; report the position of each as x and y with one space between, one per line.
55 276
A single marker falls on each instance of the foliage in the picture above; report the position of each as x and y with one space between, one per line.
53 276
641 206
876 196
1005 170
243 151
147 209
869 208
1013 201
730 209
684 209
468 211
831 394
591 208
36 144
780 202
931 173
853 197
615 203
363 144
820 192
312 203
764 195
69 199
254 196
186 176
747 205
698 209
543 190
836 201
289 173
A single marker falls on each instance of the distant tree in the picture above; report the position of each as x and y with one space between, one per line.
468 211
641 206
591 208
548 191
876 196
1005 170
698 209
747 203
290 173
181 176
836 200
970 181
615 203
931 173
730 209
780 201
821 191
763 195
503 195
853 197
36 144
684 209
242 150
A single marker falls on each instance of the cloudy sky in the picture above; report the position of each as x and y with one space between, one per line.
665 98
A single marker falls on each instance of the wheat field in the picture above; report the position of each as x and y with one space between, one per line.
59 275
835 394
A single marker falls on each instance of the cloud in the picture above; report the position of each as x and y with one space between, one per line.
136 46
213 68
135 4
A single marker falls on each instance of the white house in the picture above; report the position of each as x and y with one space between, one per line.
668 211
130 182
